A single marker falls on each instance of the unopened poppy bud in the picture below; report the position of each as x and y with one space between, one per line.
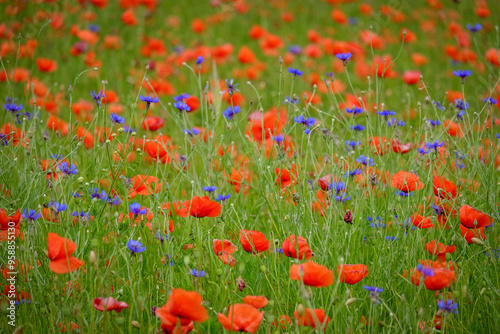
76 310
140 304
350 301
186 260
46 252
300 310
447 256
81 179
477 241
263 269
240 283
218 272
92 257
135 324
119 321
66 311
271 303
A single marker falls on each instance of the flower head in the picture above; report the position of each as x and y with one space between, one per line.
12 107
355 110
210 189
344 57
295 72
475 28
66 169
199 60
135 208
222 198
231 87
135 247
97 97
386 113
148 100
462 74
116 119
448 306
31 216
231 111
197 273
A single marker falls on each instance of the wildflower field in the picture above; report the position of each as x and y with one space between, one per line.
279 166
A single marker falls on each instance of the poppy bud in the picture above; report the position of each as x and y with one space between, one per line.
186 260
140 304
66 311
240 283
300 310
477 241
350 301
218 272
348 217
119 321
263 269
76 310
135 324
92 257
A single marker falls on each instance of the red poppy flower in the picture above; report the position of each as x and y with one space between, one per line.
352 273
325 181
284 321
411 77
311 317
469 233
183 306
241 318
153 123
442 278
200 207
46 65
439 249
421 222
406 182
472 218
60 250
263 126
380 145
285 178
223 249
255 301
312 274
253 241
397 147
443 188
7 222
109 304
144 185
290 248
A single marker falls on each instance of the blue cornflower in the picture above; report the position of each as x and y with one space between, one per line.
400 123
386 113
344 57
498 135
94 193
475 28
426 271
295 49
222 198
438 105
355 110
364 160
192 132
93 27
57 156
210 189
25 114
389 238
75 195
4 139
460 114
357 171
357 127
437 210
31 216
422 151
435 145
279 251
295 72
181 106
148 100
135 247
161 236
278 138
490 100
116 119
337 186
199 60
66 170
434 123
307 131
12 107
448 306
128 129
135 208
231 111
81 214
292 100
114 201
373 288
462 74
308 122
352 143
231 87
97 97
181 97
330 75
197 273
57 207
342 198
403 194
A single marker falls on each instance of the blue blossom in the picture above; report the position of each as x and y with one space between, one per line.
373 288
448 306
364 160
31 216
435 145
278 138
438 105
308 122
210 189
97 97
475 28
357 127
148 100
82 214
114 201
292 100
422 151
307 131
355 110
462 74
295 72
128 129
231 111
295 49
434 123
403 194
498 135
437 210
386 113
222 198
192 132
12 107
57 207
4 139
181 106
356 171
135 208
337 186
389 238
197 273
426 271
199 60
57 156
231 87
490 100
342 198
161 236
352 144
344 57
66 170
460 114
461 105
75 195
181 97
117 119
135 247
